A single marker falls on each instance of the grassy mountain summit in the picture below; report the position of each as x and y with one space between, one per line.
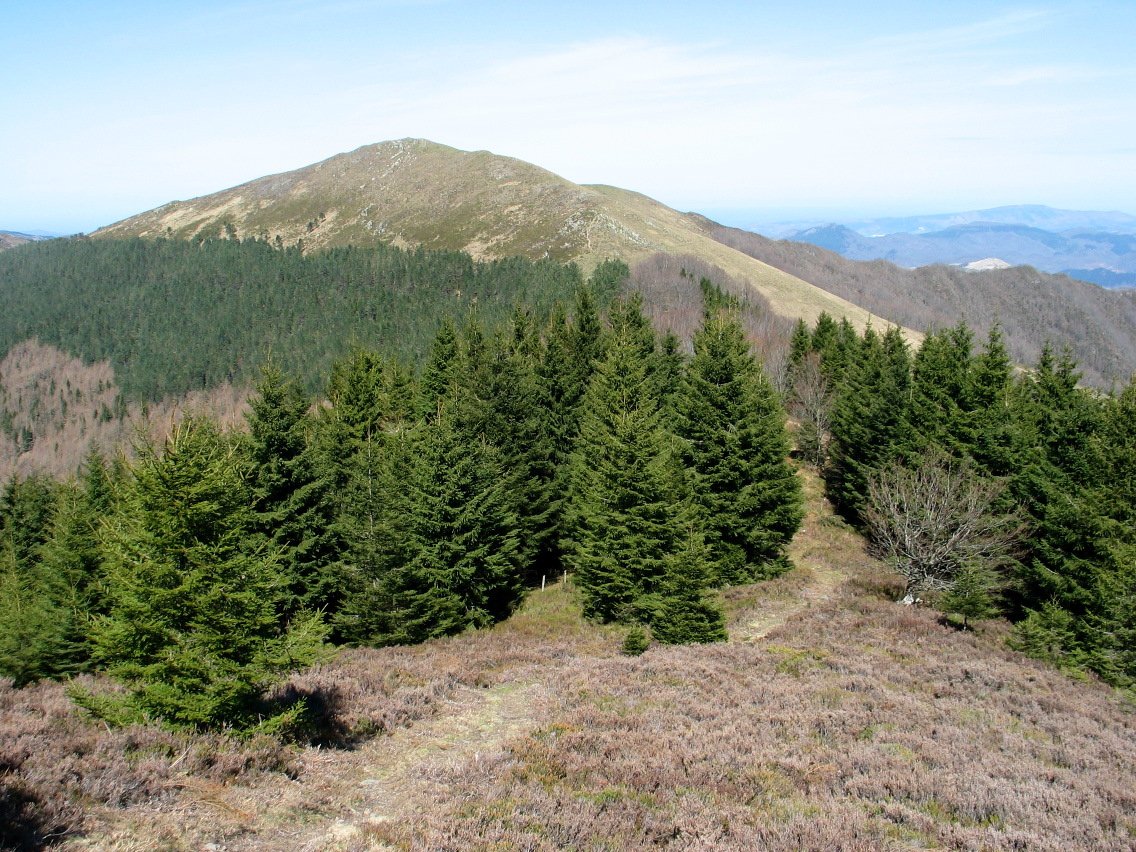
413 192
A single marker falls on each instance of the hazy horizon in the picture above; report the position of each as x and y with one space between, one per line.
892 109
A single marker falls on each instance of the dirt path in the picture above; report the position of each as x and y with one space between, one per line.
821 552
395 776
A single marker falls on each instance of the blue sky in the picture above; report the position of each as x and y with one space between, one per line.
746 111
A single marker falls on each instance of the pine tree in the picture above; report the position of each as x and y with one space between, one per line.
194 627
624 511
736 446
685 612
293 506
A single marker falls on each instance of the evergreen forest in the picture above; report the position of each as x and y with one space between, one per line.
173 316
1045 468
427 478
402 504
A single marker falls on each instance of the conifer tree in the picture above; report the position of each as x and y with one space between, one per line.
457 561
517 420
941 376
972 593
869 419
685 612
293 506
46 606
624 511
736 447
26 509
194 628
992 439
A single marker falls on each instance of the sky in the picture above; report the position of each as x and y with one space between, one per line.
746 111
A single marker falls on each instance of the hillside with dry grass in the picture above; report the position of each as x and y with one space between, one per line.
413 192
834 718
10 239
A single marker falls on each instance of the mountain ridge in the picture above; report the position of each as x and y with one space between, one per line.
413 192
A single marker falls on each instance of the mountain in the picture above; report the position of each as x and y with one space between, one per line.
1031 306
413 192
962 244
1025 215
11 239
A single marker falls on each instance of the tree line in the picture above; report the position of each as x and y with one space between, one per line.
407 504
1038 473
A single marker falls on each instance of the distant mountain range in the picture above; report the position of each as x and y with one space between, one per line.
1099 247
11 239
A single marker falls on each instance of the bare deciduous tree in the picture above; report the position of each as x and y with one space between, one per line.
929 520
810 404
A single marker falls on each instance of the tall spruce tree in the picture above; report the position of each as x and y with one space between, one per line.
292 501
736 447
869 418
457 560
194 628
624 513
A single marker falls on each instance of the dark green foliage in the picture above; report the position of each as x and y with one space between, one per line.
607 279
869 418
35 631
48 598
373 400
194 628
685 612
174 316
291 497
973 593
736 446
516 417
636 642
453 557
625 513
26 510
1064 453
440 373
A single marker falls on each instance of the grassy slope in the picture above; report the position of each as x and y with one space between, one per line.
414 192
841 721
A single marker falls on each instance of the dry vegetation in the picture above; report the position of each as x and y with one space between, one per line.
53 407
1032 307
673 302
10 240
843 720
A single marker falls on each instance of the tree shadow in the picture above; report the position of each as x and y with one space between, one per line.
27 822
316 717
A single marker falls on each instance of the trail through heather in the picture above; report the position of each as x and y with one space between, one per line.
822 552
394 777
